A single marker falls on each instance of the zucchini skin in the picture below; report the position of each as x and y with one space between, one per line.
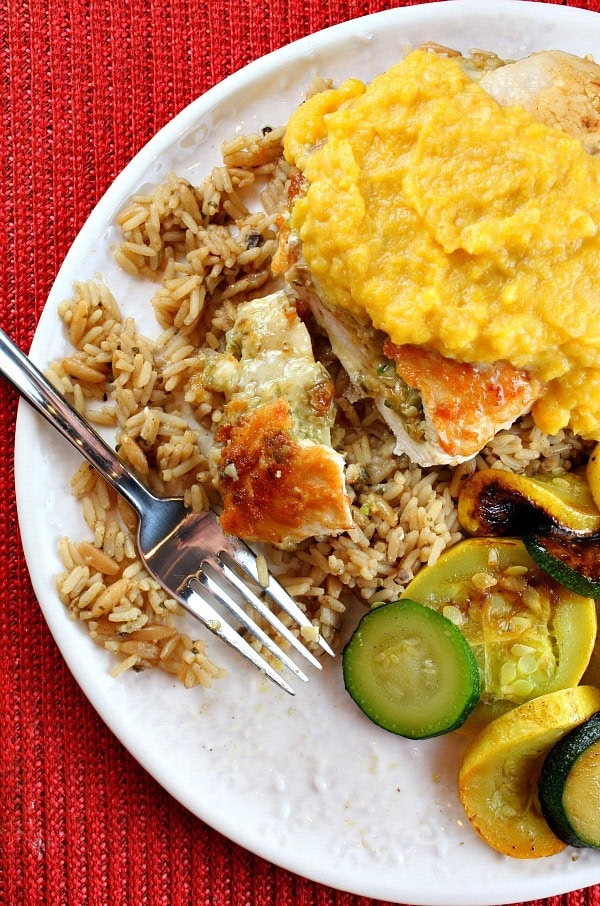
554 774
559 558
411 670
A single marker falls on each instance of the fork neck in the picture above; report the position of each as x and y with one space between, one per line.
25 377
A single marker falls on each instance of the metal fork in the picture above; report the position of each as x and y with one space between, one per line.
207 572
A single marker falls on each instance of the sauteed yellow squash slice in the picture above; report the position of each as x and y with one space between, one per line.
498 778
529 635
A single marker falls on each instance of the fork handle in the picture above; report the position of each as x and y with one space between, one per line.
26 378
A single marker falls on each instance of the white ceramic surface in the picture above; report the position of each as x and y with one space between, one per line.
306 783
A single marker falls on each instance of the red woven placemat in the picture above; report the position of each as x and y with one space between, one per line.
83 86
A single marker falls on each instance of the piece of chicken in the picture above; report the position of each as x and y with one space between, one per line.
440 411
557 88
281 480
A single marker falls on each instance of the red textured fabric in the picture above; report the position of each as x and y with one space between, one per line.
84 84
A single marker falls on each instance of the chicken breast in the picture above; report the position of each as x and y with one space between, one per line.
464 404
442 411
280 478
557 88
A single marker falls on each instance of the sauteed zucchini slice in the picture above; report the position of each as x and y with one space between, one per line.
569 787
575 563
495 502
528 633
499 775
411 670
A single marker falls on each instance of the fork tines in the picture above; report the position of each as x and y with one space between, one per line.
232 584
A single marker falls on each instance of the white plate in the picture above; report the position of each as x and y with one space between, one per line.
306 783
